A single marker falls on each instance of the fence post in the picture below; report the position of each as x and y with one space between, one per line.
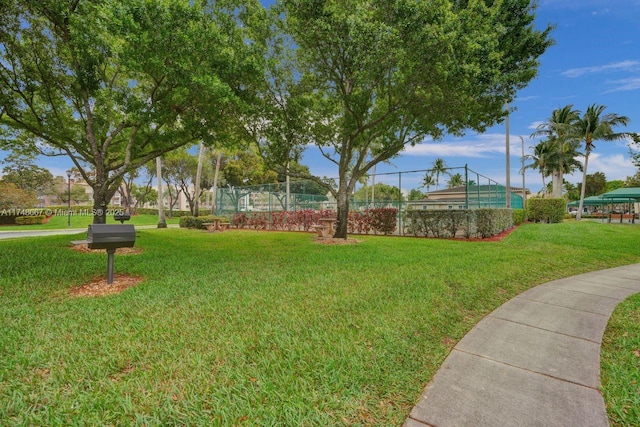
466 186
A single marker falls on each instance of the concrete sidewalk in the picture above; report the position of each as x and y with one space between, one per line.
534 361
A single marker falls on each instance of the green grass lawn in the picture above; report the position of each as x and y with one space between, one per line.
621 364
82 221
267 328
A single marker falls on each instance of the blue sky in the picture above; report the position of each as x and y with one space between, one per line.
595 59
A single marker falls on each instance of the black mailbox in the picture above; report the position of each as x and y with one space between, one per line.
122 217
111 236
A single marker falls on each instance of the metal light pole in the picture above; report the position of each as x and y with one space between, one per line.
508 166
524 195
68 198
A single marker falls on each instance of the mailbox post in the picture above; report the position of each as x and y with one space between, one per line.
110 237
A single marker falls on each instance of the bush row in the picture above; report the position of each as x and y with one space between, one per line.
378 221
154 211
30 220
301 220
460 223
433 223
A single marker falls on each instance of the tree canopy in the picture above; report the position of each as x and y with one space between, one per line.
381 75
114 84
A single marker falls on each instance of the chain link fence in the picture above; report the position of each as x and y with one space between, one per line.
449 188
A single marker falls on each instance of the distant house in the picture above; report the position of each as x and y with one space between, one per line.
471 197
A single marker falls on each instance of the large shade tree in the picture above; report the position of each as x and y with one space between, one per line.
594 126
114 84
383 75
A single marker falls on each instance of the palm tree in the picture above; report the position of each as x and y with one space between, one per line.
540 157
455 181
559 130
428 181
594 126
439 167
562 160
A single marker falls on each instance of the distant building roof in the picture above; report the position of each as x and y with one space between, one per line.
477 188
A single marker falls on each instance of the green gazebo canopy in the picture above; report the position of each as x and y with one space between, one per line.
630 193
602 200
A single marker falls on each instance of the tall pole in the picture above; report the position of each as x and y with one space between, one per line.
524 194
508 192
68 198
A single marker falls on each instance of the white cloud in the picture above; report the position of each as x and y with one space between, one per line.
481 146
614 166
534 125
627 65
625 85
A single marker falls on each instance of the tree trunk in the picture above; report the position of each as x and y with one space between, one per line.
214 190
162 222
102 195
288 189
373 187
100 204
557 184
584 186
125 195
343 214
342 200
196 186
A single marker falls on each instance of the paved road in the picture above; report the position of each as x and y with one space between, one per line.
534 361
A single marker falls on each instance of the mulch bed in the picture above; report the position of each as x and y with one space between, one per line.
99 287
334 241
120 251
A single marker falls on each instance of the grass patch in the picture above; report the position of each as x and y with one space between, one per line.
267 328
82 221
620 363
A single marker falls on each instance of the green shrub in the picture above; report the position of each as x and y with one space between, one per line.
441 223
546 210
518 216
154 211
30 220
383 220
491 222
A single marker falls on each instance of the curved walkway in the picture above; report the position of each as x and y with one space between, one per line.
534 361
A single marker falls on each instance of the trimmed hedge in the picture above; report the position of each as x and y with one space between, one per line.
30 220
380 220
491 222
154 211
452 223
546 210
519 216
432 223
